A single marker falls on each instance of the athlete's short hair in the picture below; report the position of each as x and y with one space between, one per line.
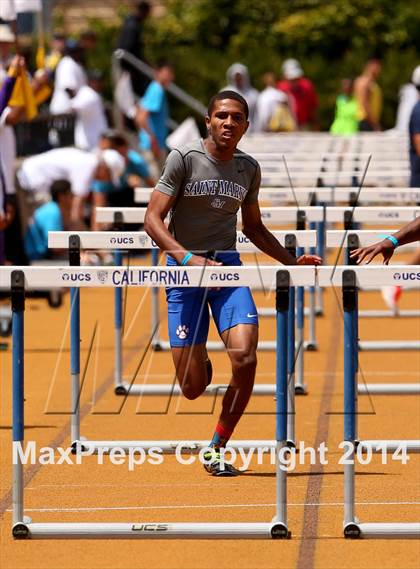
221 95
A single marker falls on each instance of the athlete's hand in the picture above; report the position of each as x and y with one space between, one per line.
367 254
308 260
199 261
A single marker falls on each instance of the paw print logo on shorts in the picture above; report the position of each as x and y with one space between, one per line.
182 331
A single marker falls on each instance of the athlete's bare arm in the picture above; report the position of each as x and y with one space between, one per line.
262 238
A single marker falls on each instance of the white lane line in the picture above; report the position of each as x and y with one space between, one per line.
191 507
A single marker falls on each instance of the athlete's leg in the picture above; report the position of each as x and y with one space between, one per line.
188 323
236 318
241 342
192 369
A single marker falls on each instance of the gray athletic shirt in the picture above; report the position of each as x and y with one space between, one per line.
209 194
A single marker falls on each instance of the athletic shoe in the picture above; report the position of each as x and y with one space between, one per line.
391 295
217 467
209 368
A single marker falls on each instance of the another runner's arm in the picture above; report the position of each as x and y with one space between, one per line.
407 234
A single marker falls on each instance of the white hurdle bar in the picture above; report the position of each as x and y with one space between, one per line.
271 215
306 196
288 214
387 388
136 240
350 283
266 278
140 239
373 215
351 239
19 278
336 178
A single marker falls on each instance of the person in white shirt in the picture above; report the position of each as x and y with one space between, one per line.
408 97
70 76
91 120
239 81
267 102
78 167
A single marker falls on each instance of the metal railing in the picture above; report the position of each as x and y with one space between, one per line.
195 105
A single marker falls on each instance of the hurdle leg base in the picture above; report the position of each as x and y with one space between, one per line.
76 446
301 390
352 531
120 390
311 346
280 531
319 312
20 531
157 347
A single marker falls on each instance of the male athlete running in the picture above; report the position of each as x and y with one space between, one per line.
205 183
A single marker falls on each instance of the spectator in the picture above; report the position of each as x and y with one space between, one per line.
152 118
268 101
7 40
9 116
131 40
414 131
238 80
88 40
369 96
304 100
408 96
78 167
58 48
345 120
7 209
53 215
136 171
70 76
90 113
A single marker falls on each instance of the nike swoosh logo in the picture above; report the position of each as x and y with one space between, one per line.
252 315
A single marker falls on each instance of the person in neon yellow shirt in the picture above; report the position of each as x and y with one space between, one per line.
369 96
346 111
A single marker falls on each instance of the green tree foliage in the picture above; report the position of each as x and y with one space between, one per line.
331 39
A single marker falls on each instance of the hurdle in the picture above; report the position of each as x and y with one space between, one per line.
305 196
5 321
375 216
273 215
350 281
75 241
18 279
267 278
339 178
353 239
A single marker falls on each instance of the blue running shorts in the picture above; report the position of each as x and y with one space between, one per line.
188 308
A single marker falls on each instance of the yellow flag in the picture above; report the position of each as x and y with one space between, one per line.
40 55
23 96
